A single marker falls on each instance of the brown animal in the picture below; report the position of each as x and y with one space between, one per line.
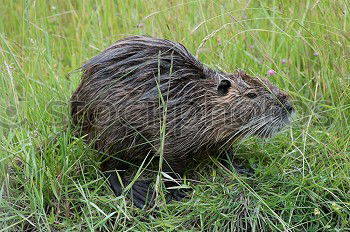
146 96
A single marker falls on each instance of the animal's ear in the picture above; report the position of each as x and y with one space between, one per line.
223 87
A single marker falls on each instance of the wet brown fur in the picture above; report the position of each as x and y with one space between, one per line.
129 89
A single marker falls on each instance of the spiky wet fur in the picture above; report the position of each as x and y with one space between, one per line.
139 83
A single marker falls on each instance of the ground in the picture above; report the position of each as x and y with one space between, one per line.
301 180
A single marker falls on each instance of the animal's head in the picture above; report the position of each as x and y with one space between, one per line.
253 106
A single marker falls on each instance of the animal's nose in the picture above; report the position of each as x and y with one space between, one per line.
289 108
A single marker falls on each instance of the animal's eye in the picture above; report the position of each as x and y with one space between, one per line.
251 95
223 87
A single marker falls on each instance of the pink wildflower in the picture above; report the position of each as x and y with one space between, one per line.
271 72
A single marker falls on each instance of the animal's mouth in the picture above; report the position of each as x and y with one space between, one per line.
273 125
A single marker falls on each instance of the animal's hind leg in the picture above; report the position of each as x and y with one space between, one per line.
109 169
175 171
141 194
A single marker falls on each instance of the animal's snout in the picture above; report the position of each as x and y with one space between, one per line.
289 107
284 101
283 97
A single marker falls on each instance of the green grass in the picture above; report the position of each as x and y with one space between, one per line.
302 175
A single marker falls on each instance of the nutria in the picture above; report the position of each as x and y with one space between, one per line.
145 96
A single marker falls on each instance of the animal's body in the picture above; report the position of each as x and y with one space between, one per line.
144 95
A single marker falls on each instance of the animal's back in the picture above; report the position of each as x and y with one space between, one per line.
131 88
